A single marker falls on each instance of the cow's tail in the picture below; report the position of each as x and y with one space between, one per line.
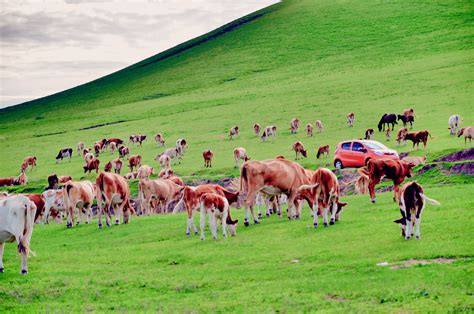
430 200
24 241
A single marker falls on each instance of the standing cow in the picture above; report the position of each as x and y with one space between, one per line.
64 153
78 195
234 131
294 125
298 147
256 129
80 148
350 119
454 122
240 154
207 156
159 139
270 130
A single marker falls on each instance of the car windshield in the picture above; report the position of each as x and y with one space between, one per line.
372 145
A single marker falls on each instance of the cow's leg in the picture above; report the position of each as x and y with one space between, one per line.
333 212
408 225
107 213
213 224
249 202
224 223
202 220
24 259
2 246
99 213
88 213
325 214
372 182
70 217
255 220
395 192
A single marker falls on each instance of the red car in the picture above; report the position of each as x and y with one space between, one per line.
356 153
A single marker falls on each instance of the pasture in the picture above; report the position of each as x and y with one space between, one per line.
306 59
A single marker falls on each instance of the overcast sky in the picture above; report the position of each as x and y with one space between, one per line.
50 45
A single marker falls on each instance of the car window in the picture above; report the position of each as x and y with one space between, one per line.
346 146
375 146
357 146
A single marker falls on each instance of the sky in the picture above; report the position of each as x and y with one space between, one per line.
47 46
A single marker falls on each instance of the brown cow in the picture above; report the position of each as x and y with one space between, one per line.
468 133
117 165
294 125
309 129
38 200
117 141
22 179
350 119
162 191
218 208
207 156
409 112
64 179
256 129
234 131
108 167
78 195
134 161
323 150
159 139
402 132
86 151
395 170
92 165
97 149
102 144
272 177
298 147
418 137
192 195
240 154
369 134
88 157
113 190
30 161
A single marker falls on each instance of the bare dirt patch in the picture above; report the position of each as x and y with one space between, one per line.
415 262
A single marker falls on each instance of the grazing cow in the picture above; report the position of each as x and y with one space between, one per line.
159 139
406 119
144 172
272 177
192 195
323 150
234 131
409 112
117 141
415 160
454 122
207 156
113 190
270 130
319 126
80 148
387 135
113 147
162 191
20 180
92 165
412 202
102 144
86 151
64 153
395 170
131 175
137 139
117 165
240 154
123 151
294 125
369 134
387 119
30 161
402 132
54 204
24 166
323 196
97 149
256 129
88 157
418 137
108 167
218 208
298 147
362 184
182 145
468 133
170 153
309 129
78 195
17 214
134 161
350 119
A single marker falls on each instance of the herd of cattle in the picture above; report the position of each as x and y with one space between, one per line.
267 183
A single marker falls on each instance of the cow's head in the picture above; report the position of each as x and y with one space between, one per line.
232 226
340 206
408 168
304 153
402 223
460 132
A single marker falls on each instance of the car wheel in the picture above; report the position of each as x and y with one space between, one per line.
338 164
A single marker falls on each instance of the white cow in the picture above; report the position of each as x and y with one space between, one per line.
53 199
17 215
454 122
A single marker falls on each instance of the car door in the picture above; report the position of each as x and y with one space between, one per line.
358 152
346 154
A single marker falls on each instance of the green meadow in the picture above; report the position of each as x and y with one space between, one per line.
314 60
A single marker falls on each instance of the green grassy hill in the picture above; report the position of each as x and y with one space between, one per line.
299 58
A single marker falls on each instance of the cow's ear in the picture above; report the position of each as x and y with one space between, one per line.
400 221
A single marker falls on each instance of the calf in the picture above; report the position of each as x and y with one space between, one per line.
17 214
207 156
240 154
402 132
395 170
323 150
406 120
409 112
159 139
387 135
412 202
108 167
30 161
256 129
269 131
86 151
294 125
54 204
369 134
134 161
113 191
78 195
64 153
172 153
218 208
162 191
453 123
418 137
298 147
467 132
309 129
319 126
92 165
80 148
234 131
117 165
144 172
123 151
350 119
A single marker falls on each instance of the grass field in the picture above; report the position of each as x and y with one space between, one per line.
306 59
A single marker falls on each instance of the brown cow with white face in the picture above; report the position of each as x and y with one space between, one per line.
134 161
234 131
298 147
207 156
402 132
294 125
22 179
161 191
395 170
256 129
272 177
240 154
113 191
123 151
78 195
350 119
309 129
218 209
